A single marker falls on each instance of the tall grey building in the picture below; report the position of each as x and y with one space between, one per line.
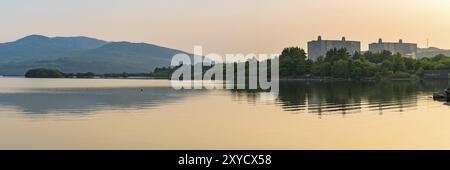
319 47
406 49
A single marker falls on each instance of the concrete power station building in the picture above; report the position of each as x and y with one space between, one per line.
319 47
406 49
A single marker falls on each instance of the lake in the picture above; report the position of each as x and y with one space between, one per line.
149 114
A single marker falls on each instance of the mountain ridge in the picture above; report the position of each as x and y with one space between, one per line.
431 52
82 54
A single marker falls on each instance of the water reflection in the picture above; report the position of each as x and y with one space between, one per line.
327 98
318 98
84 100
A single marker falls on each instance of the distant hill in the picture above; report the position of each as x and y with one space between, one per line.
431 52
81 54
37 47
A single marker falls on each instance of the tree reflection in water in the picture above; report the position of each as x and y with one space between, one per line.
326 98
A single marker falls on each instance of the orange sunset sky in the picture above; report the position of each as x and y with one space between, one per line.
230 26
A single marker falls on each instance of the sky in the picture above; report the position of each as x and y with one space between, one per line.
230 26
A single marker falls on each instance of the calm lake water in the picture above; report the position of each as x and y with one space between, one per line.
117 114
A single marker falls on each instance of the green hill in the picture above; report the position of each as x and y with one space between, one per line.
81 54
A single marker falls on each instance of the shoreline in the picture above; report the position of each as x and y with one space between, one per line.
131 78
328 79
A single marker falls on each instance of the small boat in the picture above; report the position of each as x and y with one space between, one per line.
439 97
445 96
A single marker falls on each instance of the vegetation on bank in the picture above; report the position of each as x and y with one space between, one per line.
163 72
339 64
44 73
336 64
55 73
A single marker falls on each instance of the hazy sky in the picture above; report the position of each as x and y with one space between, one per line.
230 26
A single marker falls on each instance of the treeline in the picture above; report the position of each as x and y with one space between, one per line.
163 72
44 73
338 63
55 73
166 72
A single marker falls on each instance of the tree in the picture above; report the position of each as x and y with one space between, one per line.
44 73
293 62
398 64
334 55
340 69
357 56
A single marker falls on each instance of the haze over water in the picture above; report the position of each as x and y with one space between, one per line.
117 114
